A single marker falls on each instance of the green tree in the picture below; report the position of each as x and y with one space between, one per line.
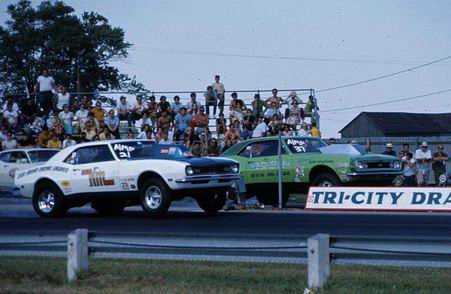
74 49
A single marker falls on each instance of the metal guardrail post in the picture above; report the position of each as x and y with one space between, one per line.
77 253
318 260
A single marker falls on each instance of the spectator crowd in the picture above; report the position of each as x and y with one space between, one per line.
54 118
421 165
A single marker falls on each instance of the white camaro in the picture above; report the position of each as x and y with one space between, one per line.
114 174
14 160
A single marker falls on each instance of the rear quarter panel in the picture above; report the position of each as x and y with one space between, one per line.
26 179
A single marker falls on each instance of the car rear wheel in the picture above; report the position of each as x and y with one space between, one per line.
212 203
155 197
48 201
326 180
108 208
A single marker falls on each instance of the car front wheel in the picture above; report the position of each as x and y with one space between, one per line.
48 201
326 180
155 197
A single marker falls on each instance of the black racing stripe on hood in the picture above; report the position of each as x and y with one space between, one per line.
207 161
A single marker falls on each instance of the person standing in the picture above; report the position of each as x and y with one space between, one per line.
220 92
63 98
409 170
389 150
439 160
423 158
44 88
404 150
211 99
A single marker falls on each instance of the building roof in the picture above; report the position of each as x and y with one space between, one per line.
403 123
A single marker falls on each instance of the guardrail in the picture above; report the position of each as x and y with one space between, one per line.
318 251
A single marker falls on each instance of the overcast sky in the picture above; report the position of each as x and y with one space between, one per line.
180 45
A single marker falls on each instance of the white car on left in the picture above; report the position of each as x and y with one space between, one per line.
14 160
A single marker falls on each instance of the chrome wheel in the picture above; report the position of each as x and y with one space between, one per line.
46 201
153 197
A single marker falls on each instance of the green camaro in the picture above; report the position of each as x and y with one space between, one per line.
307 161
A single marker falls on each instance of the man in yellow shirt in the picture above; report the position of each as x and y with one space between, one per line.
98 112
314 131
54 142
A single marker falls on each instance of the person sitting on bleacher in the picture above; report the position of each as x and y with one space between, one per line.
112 124
200 121
192 105
181 122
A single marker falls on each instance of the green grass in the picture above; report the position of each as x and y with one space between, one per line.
47 275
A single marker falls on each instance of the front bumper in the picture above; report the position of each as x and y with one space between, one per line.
373 177
205 181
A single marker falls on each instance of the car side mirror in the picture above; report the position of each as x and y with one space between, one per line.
22 161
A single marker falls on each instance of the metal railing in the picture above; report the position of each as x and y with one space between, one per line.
318 251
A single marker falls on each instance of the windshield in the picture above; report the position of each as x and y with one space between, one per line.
41 155
140 150
360 148
302 145
348 149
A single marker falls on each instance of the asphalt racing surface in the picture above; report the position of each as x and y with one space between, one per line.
18 218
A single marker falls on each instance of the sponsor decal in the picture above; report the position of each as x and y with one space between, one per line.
360 198
299 172
66 186
60 169
263 164
43 169
127 184
86 172
97 177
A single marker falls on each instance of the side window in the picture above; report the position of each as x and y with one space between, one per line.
260 149
90 154
5 156
18 157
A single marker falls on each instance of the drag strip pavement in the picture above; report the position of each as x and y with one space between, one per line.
17 217
229 236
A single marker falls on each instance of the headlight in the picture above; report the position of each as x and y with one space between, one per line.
360 165
235 168
396 164
189 171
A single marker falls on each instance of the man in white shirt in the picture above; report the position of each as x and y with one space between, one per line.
11 116
9 142
44 87
82 116
423 158
124 110
66 118
260 130
10 101
220 93
63 98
